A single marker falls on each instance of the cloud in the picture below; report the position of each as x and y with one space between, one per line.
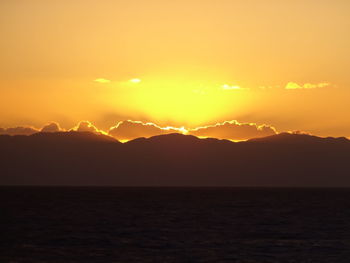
293 85
233 87
51 127
18 130
86 126
102 80
128 130
233 130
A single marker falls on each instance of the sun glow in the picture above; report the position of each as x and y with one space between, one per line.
178 101
136 80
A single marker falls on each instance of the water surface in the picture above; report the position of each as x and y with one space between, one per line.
107 224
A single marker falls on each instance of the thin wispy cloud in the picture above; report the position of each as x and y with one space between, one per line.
102 80
293 85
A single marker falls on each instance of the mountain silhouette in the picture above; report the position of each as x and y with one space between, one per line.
83 158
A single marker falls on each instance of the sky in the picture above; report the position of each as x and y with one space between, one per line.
184 63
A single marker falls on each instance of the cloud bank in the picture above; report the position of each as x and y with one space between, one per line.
20 130
129 130
234 130
51 127
86 126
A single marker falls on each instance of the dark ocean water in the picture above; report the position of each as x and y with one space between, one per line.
86 224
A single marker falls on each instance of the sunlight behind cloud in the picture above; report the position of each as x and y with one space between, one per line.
180 101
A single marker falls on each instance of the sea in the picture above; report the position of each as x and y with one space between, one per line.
166 224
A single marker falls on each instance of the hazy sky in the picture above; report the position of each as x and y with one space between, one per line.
182 63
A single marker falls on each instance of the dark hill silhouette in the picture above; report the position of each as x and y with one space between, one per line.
290 138
83 158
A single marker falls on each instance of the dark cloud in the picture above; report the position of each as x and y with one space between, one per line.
51 127
83 126
234 130
128 130
18 130
86 126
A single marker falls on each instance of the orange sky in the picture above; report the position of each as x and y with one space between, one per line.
181 63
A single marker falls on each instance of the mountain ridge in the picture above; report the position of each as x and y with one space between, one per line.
86 135
76 158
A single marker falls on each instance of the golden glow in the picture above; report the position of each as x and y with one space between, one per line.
178 63
178 101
